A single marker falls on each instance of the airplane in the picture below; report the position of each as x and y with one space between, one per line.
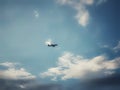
52 45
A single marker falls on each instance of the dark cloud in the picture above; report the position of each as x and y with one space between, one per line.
110 80
26 85
107 83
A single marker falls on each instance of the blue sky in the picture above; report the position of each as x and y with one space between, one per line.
86 31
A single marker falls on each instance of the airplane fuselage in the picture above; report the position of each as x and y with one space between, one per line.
52 45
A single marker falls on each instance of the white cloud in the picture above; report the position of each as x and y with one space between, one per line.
12 73
9 64
117 48
83 18
36 13
80 6
82 15
71 66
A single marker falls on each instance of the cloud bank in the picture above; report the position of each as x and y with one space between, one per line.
106 83
83 14
70 66
26 85
14 78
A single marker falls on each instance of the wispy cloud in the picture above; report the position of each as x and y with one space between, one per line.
13 72
80 6
100 2
117 48
9 64
83 18
36 13
71 66
22 86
